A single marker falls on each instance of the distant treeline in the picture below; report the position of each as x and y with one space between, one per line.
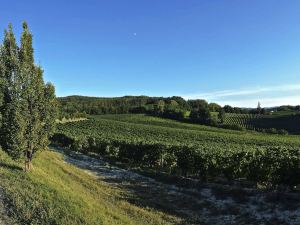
171 107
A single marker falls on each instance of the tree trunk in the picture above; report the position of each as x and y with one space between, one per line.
28 161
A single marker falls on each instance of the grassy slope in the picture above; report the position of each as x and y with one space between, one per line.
58 193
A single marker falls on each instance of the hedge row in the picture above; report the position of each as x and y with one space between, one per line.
269 165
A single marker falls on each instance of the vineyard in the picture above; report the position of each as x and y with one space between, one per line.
244 120
189 150
288 122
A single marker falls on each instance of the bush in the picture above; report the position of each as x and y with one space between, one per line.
232 127
283 132
271 131
80 144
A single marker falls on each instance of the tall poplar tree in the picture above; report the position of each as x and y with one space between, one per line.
1 86
29 106
12 128
39 108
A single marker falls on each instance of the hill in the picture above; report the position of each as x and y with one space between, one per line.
198 151
283 118
56 192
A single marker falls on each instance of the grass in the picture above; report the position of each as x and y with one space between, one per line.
59 193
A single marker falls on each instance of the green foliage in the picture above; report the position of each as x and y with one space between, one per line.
13 130
13 122
127 104
281 124
28 106
200 113
232 127
214 107
192 150
221 115
194 104
159 107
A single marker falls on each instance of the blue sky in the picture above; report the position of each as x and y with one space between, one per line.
231 52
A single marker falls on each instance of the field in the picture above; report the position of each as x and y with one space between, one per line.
185 149
79 184
280 121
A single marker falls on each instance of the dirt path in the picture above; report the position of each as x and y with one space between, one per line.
206 204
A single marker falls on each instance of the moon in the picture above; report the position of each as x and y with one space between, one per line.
134 34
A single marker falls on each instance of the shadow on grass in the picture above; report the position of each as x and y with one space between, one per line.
142 191
10 167
160 197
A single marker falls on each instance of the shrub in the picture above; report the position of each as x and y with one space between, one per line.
271 131
283 132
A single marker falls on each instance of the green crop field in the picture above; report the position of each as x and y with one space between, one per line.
280 121
186 149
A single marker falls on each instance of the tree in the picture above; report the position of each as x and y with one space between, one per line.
12 127
201 114
1 83
228 109
214 107
48 115
159 107
1 94
39 100
258 108
196 104
181 102
172 105
221 115
29 106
